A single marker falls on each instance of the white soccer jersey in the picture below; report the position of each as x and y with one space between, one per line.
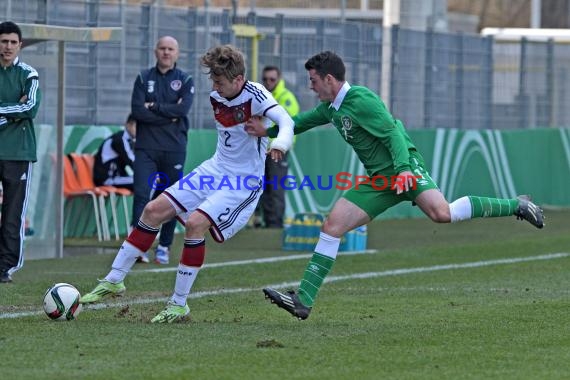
237 151
227 187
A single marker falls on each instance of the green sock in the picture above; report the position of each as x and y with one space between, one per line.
483 207
315 273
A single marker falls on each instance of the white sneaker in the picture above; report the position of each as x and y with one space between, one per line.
143 258
161 255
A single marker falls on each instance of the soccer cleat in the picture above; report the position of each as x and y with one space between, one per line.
161 255
171 313
103 289
257 222
143 258
289 302
529 211
5 277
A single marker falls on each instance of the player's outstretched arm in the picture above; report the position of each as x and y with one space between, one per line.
284 139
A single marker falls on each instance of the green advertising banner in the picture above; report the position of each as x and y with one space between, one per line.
463 162
472 162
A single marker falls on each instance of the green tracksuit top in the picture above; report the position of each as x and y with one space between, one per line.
379 140
17 135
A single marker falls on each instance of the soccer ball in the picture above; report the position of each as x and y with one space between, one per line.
61 302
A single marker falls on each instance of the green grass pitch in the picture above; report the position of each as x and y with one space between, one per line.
486 299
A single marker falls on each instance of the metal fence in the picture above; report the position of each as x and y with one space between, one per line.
469 81
435 79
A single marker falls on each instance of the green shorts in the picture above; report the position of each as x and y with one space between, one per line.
376 195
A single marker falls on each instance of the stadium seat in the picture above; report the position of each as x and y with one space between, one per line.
84 165
73 189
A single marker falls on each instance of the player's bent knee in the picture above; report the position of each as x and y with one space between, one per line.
197 225
155 213
440 215
332 229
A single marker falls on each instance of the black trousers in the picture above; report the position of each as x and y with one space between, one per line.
273 198
147 164
15 177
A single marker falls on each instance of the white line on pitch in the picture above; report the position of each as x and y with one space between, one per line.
256 261
238 262
393 272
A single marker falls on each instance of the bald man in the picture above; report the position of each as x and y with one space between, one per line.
161 99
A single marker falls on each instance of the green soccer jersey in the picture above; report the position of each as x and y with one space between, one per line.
378 139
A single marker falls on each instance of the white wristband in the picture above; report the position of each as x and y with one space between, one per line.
280 144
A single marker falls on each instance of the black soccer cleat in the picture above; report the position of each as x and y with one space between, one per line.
289 302
5 277
529 211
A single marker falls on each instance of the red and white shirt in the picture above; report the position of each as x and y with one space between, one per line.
237 151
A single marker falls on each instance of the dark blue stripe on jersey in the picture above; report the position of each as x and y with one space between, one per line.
268 108
259 145
259 95
233 216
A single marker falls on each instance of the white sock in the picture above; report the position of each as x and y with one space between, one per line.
185 278
124 261
327 245
460 209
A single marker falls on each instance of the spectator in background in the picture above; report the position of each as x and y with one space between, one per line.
161 99
271 206
114 159
19 102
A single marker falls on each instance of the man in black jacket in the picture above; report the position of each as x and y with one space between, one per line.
114 158
161 99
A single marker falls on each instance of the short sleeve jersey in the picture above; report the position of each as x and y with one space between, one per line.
238 152
379 140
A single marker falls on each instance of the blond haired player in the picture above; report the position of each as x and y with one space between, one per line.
224 203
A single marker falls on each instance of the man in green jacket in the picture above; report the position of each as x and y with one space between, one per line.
272 202
19 102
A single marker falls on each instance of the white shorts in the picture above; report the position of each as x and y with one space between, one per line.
227 200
